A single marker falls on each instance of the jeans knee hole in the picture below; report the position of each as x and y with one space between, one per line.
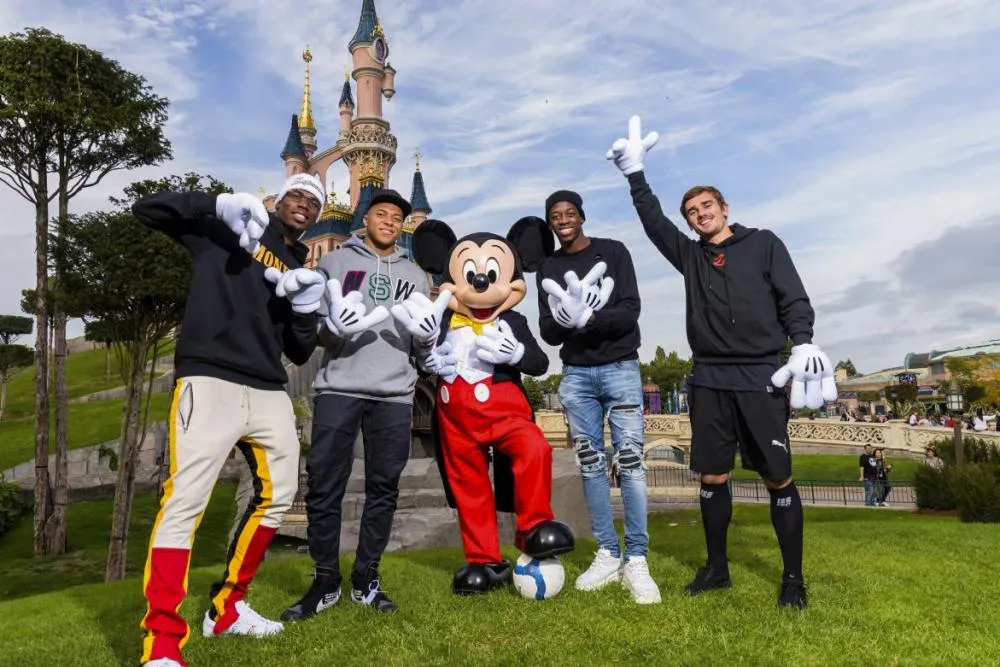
590 460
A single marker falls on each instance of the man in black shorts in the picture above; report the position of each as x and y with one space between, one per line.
744 301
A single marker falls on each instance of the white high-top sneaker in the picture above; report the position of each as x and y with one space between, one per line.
248 623
604 570
636 578
162 662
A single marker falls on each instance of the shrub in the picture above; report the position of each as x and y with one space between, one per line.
11 506
933 488
976 489
977 450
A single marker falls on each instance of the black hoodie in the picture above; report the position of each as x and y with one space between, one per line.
744 296
234 328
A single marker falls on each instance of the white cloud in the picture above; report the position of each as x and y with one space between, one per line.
856 130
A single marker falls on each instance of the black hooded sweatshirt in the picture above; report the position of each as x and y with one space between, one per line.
234 327
744 297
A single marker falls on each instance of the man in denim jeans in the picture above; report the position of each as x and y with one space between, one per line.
869 474
594 318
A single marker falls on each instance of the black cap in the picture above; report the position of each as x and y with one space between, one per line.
566 196
390 197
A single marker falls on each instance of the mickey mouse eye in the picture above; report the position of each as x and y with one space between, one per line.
469 269
492 269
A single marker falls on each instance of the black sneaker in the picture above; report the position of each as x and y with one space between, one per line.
793 593
369 592
709 576
323 594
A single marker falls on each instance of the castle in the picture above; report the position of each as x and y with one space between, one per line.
364 142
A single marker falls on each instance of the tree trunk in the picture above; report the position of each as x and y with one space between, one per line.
43 497
107 363
57 522
128 455
3 396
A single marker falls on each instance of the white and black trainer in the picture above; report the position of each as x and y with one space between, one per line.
369 592
323 594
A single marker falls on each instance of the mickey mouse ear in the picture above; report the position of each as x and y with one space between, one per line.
432 244
533 240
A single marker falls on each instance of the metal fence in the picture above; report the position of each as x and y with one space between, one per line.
812 491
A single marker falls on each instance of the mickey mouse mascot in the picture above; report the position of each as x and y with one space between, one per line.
478 346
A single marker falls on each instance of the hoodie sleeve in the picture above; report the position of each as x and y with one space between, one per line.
794 309
535 361
187 217
621 318
300 337
668 239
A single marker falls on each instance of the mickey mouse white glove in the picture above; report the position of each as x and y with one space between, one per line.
812 377
245 215
347 313
628 153
304 288
594 291
421 316
440 360
497 345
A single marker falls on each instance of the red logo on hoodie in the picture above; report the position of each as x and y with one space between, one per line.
719 260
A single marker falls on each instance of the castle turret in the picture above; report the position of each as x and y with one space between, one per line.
294 154
346 105
418 196
307 127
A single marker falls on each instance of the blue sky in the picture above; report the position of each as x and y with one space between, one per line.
865 134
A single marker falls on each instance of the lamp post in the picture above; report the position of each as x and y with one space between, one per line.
956 407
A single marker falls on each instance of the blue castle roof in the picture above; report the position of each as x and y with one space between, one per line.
293 144
418 198
366 26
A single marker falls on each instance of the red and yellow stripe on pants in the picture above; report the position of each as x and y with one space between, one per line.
207 416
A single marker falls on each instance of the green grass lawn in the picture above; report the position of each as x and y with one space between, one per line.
835 467
89 424
886 588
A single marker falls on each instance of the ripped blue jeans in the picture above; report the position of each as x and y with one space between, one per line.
588 394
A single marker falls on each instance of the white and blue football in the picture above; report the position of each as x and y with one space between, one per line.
538 578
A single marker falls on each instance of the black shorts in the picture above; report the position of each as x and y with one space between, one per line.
755 421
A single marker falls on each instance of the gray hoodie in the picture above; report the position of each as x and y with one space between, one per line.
376 363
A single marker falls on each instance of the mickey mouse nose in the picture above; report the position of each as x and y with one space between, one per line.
480 282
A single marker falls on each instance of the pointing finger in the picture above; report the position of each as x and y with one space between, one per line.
634 129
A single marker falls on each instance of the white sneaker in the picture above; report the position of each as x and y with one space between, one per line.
248 623
605 569
162 662
636 579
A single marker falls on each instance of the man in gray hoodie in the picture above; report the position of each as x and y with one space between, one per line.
366 382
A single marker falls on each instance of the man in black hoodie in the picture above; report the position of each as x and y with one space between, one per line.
230 388
744 301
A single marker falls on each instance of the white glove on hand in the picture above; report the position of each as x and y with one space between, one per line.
305 288
629 153
568 310
812 377
440 360
497 345
347 313
245 215
593 291
421 316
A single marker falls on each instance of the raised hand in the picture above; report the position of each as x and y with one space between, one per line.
440 360
594 291
568 310
628 153
347 313
812 377
497 345
245 215
421 316
304 288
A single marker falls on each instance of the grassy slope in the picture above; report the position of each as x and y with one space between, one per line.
883 591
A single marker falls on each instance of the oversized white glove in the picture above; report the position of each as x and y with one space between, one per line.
304 288
245 215
812 377
347 313
628 153
421 316
497 345
567 310
440 360
594 290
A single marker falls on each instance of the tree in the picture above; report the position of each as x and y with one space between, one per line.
533 388
848 366
785 353
666 371
135 281
12 357
69 112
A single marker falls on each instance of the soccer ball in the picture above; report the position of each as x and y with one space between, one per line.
538 578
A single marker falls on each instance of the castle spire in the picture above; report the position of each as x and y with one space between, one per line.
305 116
418 196
368 24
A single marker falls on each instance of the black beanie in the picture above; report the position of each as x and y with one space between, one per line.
566 196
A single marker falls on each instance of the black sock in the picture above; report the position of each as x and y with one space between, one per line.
786 517
716 512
